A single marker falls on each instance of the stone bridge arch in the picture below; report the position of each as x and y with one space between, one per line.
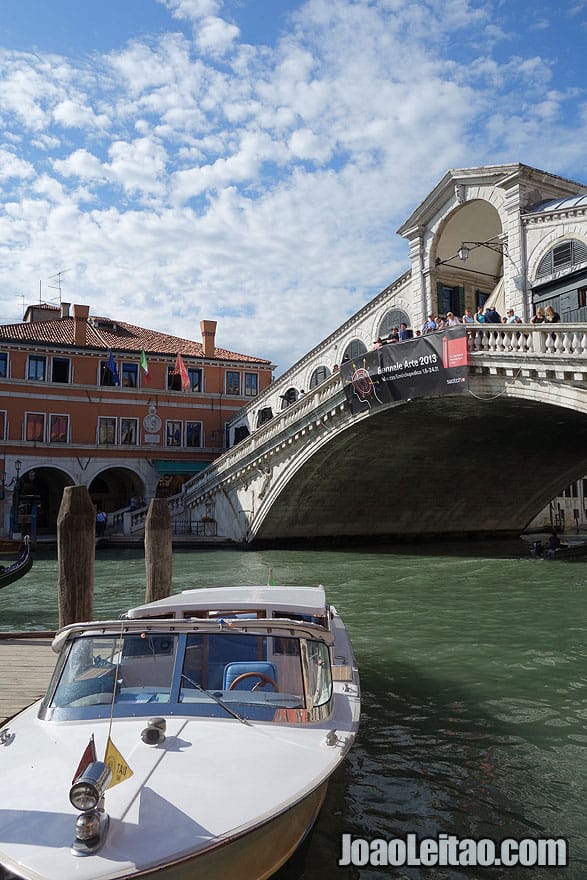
435 466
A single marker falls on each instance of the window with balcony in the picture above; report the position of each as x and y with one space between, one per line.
60 370
173 434
130 375
107 376
36 367
129 432
450 299
232 382
35 427
173 380
58 428
193 434
195 376
251 384
106 431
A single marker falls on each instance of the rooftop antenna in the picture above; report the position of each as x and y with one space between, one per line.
58 285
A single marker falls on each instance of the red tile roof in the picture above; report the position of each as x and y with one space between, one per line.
107 333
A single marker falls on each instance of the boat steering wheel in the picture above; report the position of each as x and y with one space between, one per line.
264 679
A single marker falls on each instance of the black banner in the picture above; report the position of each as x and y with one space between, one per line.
427 366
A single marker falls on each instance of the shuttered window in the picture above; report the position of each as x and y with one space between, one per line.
562 256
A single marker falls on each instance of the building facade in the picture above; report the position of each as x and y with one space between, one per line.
126 411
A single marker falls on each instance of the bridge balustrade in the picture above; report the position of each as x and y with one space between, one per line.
534 339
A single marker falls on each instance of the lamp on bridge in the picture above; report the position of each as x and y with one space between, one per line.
497 243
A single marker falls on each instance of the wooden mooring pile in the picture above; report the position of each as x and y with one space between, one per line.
26 659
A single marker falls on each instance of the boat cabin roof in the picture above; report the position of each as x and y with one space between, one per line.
270 602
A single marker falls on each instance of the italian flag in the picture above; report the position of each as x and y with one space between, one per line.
145 366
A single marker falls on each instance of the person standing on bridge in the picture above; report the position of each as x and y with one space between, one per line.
492 316
550 316
468 317
539 317
479 316
429 326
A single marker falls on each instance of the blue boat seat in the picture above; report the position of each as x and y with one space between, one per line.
233 670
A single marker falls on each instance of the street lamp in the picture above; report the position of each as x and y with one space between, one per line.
16 496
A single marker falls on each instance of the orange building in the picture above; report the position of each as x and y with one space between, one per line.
128 412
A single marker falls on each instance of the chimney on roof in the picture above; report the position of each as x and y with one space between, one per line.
80 324
65 310
208 330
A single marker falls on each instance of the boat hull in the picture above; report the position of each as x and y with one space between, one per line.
254 855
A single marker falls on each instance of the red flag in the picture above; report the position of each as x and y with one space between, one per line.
88 757
180 370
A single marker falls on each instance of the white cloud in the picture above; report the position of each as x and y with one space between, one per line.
188 175
215 35
73 114
11 166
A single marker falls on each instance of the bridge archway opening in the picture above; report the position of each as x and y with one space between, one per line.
354 350
392 318
290 396
449 466
41 488
475 222
114 488
319 375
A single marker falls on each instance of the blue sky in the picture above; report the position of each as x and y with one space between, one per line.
249 161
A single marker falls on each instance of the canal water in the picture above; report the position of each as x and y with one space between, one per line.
474 676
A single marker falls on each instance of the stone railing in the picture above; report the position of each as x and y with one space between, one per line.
127 521
307 407
543 340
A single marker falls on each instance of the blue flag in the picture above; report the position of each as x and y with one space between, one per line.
111 364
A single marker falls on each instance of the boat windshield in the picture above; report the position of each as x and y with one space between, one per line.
219 674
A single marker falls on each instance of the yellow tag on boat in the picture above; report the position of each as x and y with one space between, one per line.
120 769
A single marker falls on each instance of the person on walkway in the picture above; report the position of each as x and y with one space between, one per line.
550 316
492 316
101 520
512 318
479 316
468 317
429 326
539 317
451 319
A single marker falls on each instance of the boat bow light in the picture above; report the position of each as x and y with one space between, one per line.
86 794
88 789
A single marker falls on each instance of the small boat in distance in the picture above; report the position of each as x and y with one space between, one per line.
24 563
195 737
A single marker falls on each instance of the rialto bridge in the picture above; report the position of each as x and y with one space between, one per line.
484 461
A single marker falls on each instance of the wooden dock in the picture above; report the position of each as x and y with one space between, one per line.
26 665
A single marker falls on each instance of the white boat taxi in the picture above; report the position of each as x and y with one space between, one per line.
195 737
